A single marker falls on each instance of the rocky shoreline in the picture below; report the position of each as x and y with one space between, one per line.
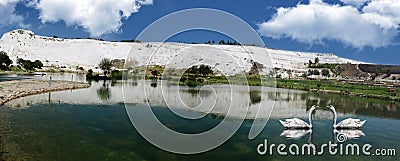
11 90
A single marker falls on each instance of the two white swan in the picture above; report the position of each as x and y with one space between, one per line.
348 123
296 123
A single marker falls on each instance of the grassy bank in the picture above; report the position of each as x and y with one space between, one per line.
332 86
322 86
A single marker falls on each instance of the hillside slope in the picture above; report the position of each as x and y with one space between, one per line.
87 53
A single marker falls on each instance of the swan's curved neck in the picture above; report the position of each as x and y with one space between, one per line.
334 117
310 117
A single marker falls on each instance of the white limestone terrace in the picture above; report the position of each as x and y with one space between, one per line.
87 53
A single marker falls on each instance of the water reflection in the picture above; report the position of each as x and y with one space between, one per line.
288 103
295 133
350 133
10 77
153 84
255 97
299 133
104 93
197 92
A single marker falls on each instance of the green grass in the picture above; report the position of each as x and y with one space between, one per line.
331 85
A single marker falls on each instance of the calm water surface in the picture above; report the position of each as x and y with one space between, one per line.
92 124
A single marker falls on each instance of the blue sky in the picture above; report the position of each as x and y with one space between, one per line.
365 30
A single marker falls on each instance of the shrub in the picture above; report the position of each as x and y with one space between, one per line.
116 74
203 70
5 61
325 72
29 65
15 68
316 60
191 83
38 64
316 72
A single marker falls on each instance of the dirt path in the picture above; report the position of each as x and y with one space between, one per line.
11 90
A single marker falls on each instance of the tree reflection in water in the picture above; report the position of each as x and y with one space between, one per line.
255 97
104 92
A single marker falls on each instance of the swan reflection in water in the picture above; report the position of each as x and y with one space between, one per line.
350 133
295 133
299 133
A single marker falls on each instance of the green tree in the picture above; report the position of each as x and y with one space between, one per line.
29 65
316 72
325 72
26 64
155 73
5 61
205 70
193 70
310 62
105 65
38 64
20 60
316 60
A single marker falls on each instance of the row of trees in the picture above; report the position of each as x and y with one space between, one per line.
30 65
191 76
324 72
203 70
5 62
221 42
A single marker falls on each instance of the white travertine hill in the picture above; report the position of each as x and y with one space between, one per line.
228 59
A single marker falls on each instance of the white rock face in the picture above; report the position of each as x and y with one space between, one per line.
228 59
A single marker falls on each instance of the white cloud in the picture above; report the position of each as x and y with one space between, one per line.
356 3
387 8
7 2
7 15
98 17
375 26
